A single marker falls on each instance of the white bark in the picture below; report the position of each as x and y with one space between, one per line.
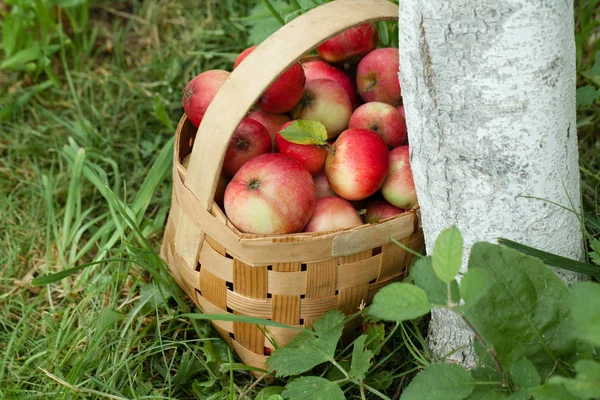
489 94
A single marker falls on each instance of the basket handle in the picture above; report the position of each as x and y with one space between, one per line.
261 68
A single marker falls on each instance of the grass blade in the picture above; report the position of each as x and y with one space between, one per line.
241 318
553 259
48 279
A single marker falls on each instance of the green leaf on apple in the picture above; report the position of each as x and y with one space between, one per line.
305 131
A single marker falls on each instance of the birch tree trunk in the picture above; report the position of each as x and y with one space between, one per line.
489 94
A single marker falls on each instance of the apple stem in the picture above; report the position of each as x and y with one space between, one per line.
330 149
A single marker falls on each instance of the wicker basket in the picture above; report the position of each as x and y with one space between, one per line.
292 278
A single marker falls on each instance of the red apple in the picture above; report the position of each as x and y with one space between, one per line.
309 155
378 210
273 122
322 70
332 213
285 92
383 119
199 92
322 185
399 187
270 194
377 76
249 140
242 55
358 164
356 41
326 101
401 110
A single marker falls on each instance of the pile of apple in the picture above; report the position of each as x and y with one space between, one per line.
325 146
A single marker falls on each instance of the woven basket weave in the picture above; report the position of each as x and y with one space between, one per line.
293 278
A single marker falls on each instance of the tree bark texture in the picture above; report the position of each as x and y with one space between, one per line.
489 93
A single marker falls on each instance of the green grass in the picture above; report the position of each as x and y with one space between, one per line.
86 121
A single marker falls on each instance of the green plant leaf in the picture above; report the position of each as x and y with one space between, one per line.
586 384
595 71
440 382
269 391
20 60
473 285
161 113
553 259
309 349
361 359
312 388
551 392
380 380
261 21
48 279
297 357
595 253
524 374
447 254
488 393
375 337
485 358
521 394
522 314
68 3
584 302
305 131
587 95
487 371
10 34
425 278
329 329
400 302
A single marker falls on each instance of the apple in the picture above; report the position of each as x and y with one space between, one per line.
285 92
354 42
322 185
358 164
383 119
399 187
378 210
401 110
321 70
273 122
200 91
332 213
243 55
310 155
326 101
270 194
249 140
377 76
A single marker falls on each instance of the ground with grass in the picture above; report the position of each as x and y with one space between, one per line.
90 95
